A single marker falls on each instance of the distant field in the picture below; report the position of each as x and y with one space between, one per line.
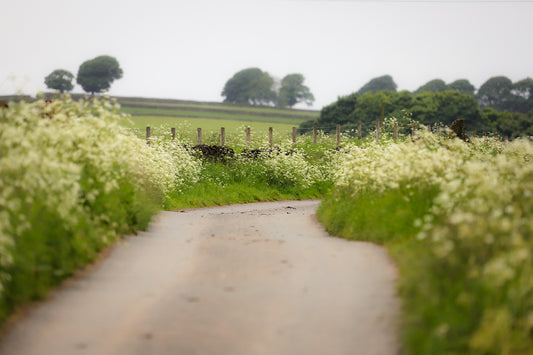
207 110
187 105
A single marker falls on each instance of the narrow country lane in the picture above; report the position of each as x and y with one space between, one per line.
250 279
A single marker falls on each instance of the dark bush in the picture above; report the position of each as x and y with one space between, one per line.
214 152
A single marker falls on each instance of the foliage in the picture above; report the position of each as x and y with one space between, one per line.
250 86
463 86
72 182
435 85
495 92
445 107
259 175
339 111
456 217
428 108
97 75
293 91
60 80
382 83
502 94
514 124
522 92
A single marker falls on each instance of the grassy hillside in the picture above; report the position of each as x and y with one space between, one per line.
208 110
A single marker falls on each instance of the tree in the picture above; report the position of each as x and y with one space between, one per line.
97 75
293 91
60 80
445 107
522 96
435 85
495 92
463 86
382 83
250 86
338 112
515 124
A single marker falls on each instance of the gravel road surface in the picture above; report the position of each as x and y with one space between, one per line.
249 279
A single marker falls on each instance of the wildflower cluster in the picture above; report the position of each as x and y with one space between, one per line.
71 181
471 286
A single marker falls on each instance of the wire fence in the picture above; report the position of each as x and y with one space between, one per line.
247 137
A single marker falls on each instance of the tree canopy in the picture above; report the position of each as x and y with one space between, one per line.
97 75
435 85
426 107
250 86
500 106
293 91
495 92
59 79
381 83
464 86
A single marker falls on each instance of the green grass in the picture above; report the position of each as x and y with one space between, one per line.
140 111
186 105
206 124
242 181
388 219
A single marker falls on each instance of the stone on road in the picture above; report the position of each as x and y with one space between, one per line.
250 279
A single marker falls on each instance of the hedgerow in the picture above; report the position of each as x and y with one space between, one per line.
72 182
457 218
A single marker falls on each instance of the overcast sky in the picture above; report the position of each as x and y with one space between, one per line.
189 49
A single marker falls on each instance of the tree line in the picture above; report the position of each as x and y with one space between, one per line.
499 105
94 76
252 86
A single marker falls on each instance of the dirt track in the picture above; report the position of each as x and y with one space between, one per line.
246 279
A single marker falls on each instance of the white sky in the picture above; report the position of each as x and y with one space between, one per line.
189 49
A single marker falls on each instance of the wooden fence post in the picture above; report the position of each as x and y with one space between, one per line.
438 131
173 133
248 137
377 130
199 136
293 137
270 137
395 130
222 136
429 128
338 135
413 133
359 131
148 135
314 134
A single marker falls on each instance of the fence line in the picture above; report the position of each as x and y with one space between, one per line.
315 133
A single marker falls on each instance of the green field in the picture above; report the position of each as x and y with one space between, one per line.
146 111
207 124
213 106
187 116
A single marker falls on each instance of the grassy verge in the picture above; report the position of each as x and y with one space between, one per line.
73 182
242 180
456 218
